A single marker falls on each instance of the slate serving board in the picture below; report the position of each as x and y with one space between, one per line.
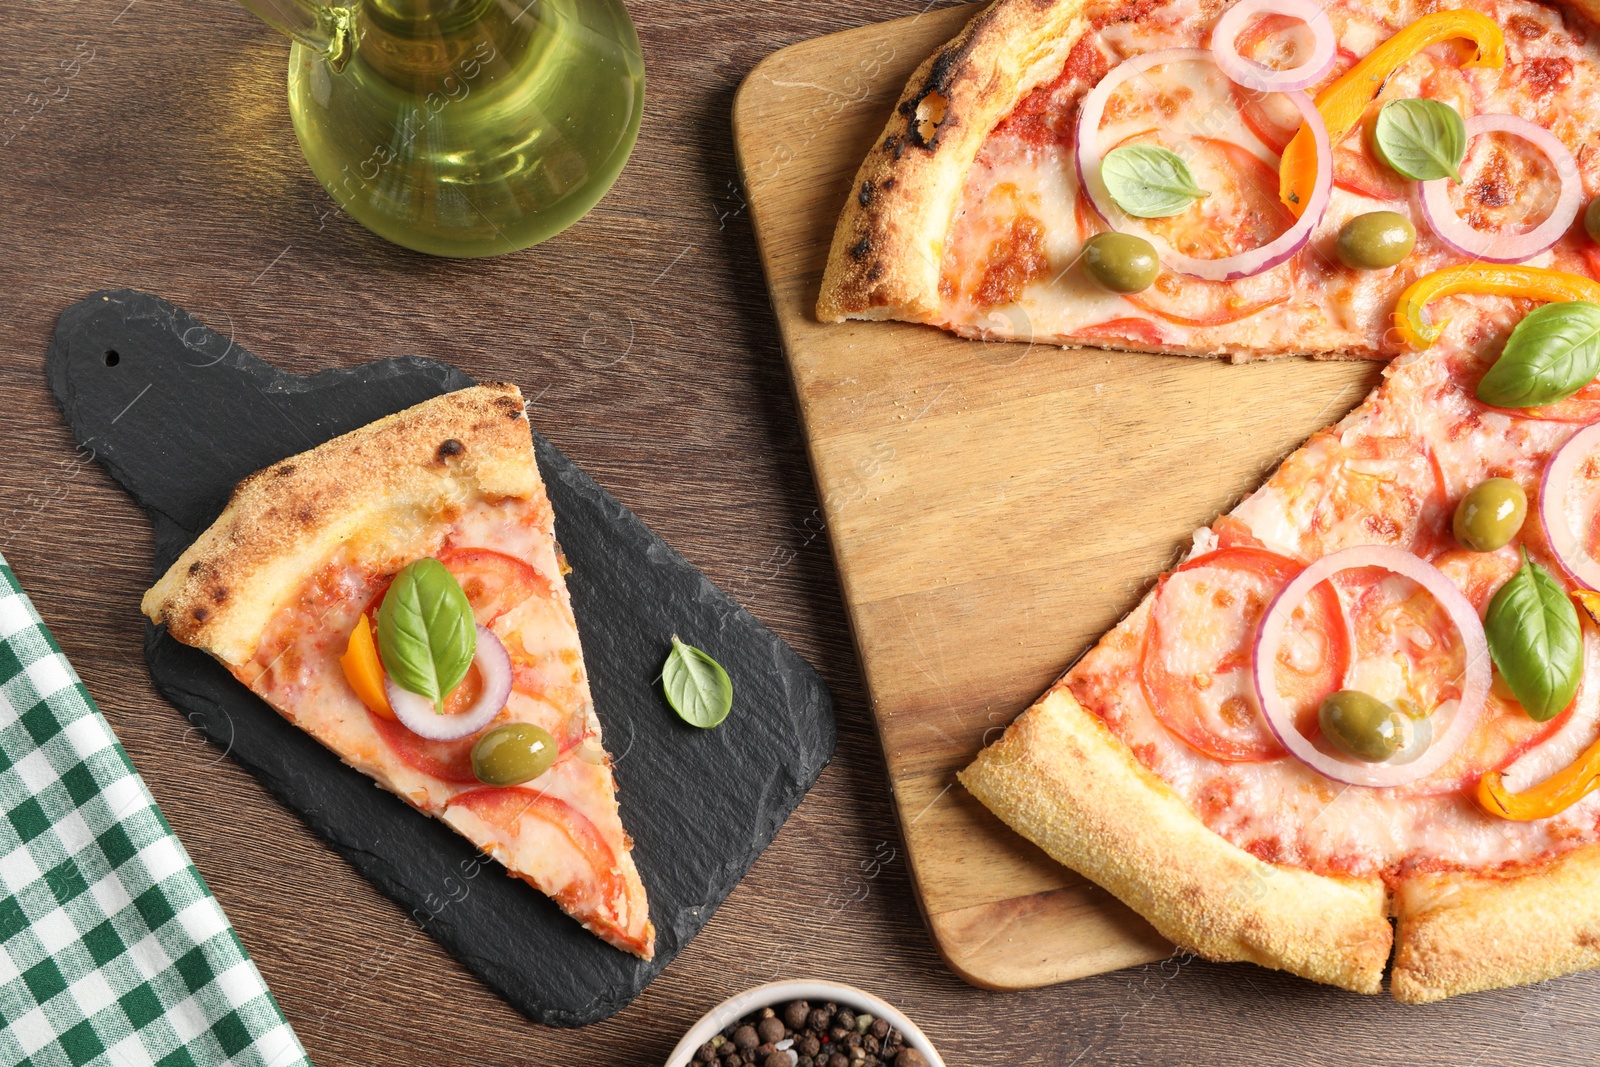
178 415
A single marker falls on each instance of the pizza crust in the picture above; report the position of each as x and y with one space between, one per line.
285 521
889 244
1065 782
1462 932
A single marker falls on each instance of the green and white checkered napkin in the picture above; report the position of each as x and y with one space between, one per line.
112 949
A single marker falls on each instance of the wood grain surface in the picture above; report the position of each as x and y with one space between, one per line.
995 508
166 162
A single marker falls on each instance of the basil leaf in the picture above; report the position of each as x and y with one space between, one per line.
1553 353
1535 641
1148 181
697 687
1422 139
426 633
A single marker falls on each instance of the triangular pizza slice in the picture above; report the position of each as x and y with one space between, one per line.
430 527
985 206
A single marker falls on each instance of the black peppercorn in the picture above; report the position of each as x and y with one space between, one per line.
820 1018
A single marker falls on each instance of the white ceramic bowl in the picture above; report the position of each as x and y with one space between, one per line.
777 994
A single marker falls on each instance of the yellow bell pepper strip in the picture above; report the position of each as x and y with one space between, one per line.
1562 789
1344 101
1535 283
364 671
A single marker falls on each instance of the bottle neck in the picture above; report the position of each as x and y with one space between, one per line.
322 26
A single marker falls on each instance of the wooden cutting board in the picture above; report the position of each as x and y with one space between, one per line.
993 508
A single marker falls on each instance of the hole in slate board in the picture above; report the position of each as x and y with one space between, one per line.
113 358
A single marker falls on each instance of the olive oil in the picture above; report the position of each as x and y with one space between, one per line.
469 127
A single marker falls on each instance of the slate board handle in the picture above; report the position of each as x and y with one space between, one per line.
149 391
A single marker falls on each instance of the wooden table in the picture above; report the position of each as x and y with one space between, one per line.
167 163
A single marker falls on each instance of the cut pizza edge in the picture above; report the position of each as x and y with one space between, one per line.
1061 779
374 496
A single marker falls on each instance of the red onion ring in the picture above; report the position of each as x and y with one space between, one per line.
1253 75
1474 691
417 713
1507 247
1245 264
1569 551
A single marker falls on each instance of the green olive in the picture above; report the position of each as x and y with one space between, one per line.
1591 219
1490 515
1375 240
1362 726
512 754
1121 262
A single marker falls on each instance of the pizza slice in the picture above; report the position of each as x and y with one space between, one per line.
1370 690
1133 173
398 594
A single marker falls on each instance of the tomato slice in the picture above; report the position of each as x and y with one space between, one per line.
1137 331
447 761
1414 639
1582 406
1185 301
602 893
1195 670
493 581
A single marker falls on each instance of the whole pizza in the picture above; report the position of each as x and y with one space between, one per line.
1357 727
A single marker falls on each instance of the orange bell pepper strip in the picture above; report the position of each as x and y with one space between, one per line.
1344 101
1535 283
364 671
1550 797
1562 789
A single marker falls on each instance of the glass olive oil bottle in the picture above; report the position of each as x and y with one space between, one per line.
463 127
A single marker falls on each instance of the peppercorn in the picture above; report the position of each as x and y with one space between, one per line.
733 1059
846 1018
770 1031
838 1059
880 1028
910 1057
795 1013
820 1018
775 1059
745 1038
807 1044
